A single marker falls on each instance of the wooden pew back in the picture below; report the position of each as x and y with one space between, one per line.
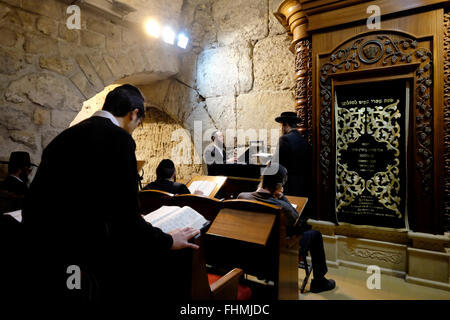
151 200
208 207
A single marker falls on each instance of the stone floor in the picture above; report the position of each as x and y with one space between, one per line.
351 285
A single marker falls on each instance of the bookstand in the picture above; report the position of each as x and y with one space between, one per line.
218 180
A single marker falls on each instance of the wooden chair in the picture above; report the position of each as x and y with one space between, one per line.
151 200
303 263
189 277
225 288
206 206
236 234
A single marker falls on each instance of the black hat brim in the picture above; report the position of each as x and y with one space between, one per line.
7 162
288 119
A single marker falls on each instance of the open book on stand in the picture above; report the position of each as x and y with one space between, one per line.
206 187
169 218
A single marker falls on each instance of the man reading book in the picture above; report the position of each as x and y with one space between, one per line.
271 191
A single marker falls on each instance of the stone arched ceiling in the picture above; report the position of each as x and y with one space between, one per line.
48 70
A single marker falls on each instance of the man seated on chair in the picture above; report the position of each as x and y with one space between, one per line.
271 191
166 179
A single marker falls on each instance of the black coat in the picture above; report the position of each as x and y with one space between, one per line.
13 185
295 155
168 186
83 209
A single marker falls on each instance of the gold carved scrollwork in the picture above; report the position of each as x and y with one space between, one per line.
385 186
380 50
349 183
382 124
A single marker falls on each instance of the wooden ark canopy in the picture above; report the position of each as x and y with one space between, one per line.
337 45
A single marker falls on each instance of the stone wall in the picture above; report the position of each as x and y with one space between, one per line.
236 73
239 68
47 70
160 136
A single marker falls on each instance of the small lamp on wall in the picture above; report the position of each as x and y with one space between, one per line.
153 28
168 35
182 40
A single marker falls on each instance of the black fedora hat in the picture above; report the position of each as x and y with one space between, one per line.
289 117
20 159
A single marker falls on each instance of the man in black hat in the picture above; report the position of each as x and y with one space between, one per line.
166 179
270 191
294 154
19 168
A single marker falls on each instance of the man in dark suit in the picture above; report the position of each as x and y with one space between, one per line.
15 186
166 179
216 151
19 168
215 154
82 213
293 152
271 191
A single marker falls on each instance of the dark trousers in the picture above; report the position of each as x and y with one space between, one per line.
312 241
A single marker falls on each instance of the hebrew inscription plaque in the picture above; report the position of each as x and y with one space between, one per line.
370 153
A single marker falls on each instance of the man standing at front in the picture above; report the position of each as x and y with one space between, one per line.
82 212
294 154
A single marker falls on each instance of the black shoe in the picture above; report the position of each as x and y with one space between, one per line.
322 285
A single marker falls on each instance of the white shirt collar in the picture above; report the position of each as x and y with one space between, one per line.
16 177
106 114
262 190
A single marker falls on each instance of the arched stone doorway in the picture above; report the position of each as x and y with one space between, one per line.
47 70
161 136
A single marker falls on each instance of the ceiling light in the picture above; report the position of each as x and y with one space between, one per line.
182 40
168 35
153 28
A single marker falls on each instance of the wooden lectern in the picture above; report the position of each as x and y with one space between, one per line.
217 180
251 235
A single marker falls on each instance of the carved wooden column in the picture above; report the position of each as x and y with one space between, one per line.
446 217
292 17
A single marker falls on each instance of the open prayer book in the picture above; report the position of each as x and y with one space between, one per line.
206 187
169 218
15 214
